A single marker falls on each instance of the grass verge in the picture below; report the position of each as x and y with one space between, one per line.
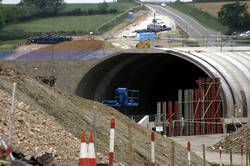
203 17
79 24
116 20
6 47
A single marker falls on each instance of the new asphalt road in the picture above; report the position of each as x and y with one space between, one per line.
192 27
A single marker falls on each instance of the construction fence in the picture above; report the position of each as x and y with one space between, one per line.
87 151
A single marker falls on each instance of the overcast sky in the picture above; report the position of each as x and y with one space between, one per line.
68 1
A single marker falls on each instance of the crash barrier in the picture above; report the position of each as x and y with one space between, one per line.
87 152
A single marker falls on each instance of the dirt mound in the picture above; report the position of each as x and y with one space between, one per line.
235 140
76 49
79 46
71 115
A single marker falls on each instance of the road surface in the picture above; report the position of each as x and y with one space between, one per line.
209 140
188 24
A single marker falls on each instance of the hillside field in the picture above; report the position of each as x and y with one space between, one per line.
61 23
77 24
214 8
15 34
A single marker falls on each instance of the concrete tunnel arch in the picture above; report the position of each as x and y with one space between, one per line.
158 74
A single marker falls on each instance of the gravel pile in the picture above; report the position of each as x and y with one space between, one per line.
35 134
235 140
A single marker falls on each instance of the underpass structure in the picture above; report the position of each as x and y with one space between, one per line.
159 73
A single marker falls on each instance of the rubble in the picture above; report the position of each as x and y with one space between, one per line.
235 140
36 134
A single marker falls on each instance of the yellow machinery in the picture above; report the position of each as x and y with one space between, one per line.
144 44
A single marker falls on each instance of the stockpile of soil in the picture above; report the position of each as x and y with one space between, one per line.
76 49
235 140
69 116
79 46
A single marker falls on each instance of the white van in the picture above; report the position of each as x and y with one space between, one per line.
163 5
245 34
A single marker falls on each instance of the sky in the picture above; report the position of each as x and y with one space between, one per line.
68 1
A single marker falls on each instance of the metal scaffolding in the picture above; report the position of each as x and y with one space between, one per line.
197 111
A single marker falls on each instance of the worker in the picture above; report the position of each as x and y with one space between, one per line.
182 125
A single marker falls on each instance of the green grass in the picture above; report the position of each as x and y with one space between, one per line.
66 24
121 6
117 20
11 43
6 47
63 23
203 17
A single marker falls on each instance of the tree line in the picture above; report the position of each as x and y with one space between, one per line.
235 16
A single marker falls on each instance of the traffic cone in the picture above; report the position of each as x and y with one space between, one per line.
8 152
92 157
83 152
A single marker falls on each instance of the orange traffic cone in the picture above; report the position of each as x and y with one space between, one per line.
92 157
83 152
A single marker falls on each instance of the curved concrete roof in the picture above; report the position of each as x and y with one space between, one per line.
232 67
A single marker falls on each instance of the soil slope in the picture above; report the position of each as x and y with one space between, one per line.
71 115
235 140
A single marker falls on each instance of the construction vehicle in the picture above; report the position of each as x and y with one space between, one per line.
146 40
124 98
48 39
154 27
144 44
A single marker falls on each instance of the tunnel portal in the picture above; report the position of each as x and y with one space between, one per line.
157 76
